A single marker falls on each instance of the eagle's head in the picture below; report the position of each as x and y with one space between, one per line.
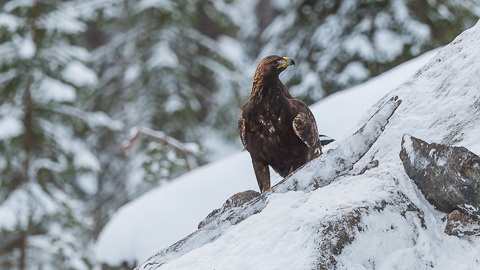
271 66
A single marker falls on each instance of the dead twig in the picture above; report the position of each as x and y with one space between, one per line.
161 136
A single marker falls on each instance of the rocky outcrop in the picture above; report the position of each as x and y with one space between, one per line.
459 224
233 202
449 177
340 232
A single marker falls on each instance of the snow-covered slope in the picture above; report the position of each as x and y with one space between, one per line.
172 211
354 207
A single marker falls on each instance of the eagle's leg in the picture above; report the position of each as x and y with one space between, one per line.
263 175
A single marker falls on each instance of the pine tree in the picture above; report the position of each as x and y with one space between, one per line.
161 66
341 43
47 167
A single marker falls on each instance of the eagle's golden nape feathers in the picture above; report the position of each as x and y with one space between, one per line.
276 129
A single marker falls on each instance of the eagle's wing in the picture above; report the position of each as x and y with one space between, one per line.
241 130
305 127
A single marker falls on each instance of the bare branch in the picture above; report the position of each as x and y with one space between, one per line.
161 136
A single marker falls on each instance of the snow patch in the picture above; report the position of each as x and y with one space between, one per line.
359 44
63 21
353 71
10 127
388 44
26 48
11 5
78 74
132 73
84 158
231 49
9 21
165 5
162 56
88 183
54 90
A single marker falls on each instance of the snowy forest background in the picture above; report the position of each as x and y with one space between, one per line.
78 77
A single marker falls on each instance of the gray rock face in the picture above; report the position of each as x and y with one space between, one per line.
449 177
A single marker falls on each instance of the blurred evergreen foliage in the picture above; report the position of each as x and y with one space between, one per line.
48 167
76 76
341 43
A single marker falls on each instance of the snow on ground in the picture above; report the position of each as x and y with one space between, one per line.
170 212
338 114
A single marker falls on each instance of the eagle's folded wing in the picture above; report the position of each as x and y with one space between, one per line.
241 130
305 128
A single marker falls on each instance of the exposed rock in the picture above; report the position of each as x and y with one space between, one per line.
459 224
372 164
236 200
338 233
449 177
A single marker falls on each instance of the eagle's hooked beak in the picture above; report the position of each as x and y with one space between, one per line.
287 62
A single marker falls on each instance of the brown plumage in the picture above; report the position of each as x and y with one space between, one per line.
277 129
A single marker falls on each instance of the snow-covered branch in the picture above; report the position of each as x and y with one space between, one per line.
185 148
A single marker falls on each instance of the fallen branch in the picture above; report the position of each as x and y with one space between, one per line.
161 136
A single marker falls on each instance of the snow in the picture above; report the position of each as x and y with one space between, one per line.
341 112
63 20
10 127
83 157
355 71
310 80
54 90
361 45
10 6
132 73
179 206
25 46
10 21
165 5
388 44
77 73
173 104
231 49
294 216
22 206
138 230
162 56
88 183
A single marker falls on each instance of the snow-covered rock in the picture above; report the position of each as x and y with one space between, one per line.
459 224
448 177
339 211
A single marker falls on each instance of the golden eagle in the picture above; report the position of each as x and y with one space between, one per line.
277 129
